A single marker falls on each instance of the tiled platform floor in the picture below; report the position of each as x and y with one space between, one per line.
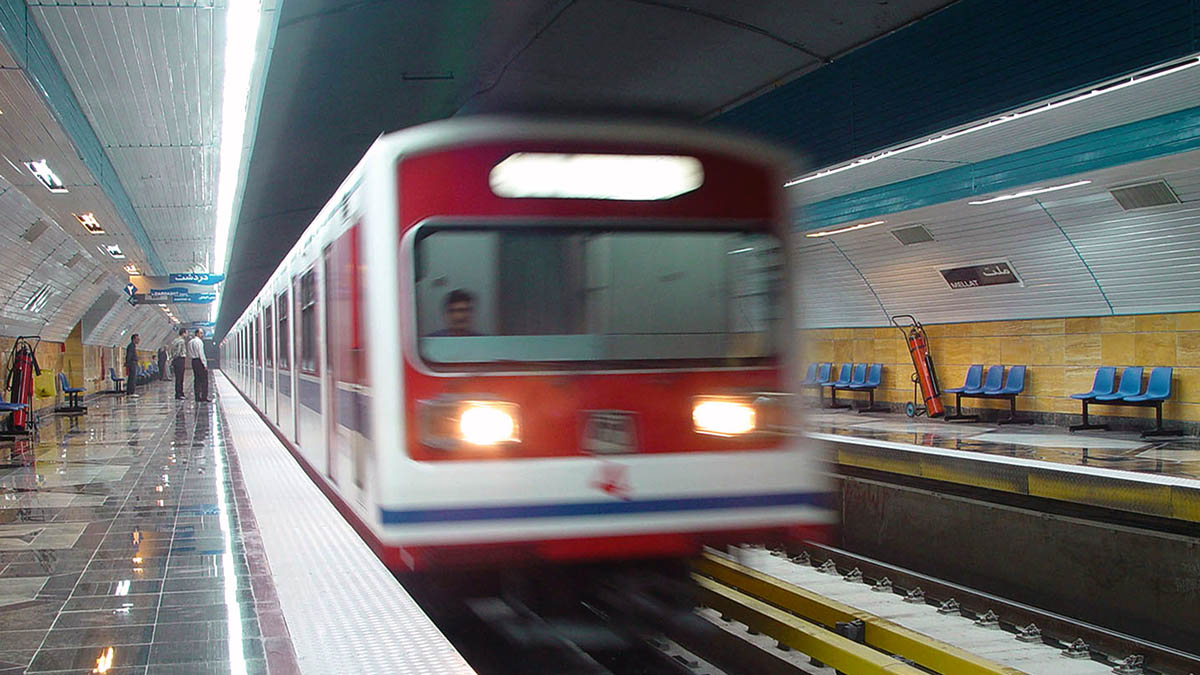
1123 451
127 546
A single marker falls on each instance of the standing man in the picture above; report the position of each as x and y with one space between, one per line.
162 363
179 361
195 352
131 362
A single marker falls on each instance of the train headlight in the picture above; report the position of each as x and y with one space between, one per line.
724 415
488 423
453 423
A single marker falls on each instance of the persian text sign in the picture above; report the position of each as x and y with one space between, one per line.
974 276
199 278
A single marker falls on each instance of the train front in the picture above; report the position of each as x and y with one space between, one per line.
597 349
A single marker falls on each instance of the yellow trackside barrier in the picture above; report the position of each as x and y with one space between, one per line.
880 634
836 651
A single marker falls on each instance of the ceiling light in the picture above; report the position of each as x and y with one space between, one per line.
1034 191
131 269
89 222
860 226
38 300
114 251
549 175
41 170
241 42
1115 85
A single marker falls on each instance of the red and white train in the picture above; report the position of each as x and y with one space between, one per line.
509 340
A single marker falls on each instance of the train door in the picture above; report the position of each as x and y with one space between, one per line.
283 360
332 306
270 388
310 395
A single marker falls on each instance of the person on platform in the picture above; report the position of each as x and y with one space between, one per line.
162 363
179 362
131 366
195 352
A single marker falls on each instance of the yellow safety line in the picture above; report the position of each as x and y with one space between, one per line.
836 651
880 633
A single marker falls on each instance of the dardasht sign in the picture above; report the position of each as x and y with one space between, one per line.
197 278
974 276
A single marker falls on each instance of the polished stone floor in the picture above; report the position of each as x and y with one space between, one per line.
127 546
1125 451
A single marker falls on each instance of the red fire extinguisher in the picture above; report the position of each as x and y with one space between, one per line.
23 366
924 376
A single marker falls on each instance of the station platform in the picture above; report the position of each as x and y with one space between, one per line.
161 536
1111 470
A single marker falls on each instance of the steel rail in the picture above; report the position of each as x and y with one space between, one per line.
1113 644
880 634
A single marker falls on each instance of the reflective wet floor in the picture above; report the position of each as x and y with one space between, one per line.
1125 451
127 546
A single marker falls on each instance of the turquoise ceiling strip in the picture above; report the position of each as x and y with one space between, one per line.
24 40
1134 142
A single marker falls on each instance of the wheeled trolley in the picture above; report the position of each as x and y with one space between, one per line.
924 376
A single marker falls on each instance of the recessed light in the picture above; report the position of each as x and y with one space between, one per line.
114 251
89 222
1031 192
131 269
851 228
41 170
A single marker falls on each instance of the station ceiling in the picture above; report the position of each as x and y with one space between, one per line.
345 71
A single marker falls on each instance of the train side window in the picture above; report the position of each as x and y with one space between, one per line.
269 335
285 338
308 322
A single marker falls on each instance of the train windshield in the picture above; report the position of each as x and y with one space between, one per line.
598 295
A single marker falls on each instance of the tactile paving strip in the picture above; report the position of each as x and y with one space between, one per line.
344 609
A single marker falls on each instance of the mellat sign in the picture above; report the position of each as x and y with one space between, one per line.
991 274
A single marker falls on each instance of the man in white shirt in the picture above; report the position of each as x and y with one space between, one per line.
195 352
179 361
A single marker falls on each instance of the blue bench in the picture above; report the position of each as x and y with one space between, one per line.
817 377
72 394
994 385
856 377
1128 392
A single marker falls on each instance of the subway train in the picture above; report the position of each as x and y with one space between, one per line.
508 341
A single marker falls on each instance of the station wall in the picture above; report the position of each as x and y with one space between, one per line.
1062 355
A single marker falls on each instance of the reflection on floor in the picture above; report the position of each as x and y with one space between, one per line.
1124 451
122 551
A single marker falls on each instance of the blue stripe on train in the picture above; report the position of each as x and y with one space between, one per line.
412 516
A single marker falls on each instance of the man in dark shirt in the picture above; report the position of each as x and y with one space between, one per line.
459 311
131 363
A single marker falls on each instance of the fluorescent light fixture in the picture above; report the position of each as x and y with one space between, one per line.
241 47
114 251
131 269
89 222
1031 192
41 170
851 228
549 175
1108 88
37 301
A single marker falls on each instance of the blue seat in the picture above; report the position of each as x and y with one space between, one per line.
64 385
825 373
973 380
1103 384
992 381
1014 383
117 381
810 378
5 406
843 377
1158 388
1131 385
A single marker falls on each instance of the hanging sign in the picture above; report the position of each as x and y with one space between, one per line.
197 278
974 276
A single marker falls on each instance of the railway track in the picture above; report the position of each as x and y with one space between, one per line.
864 616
